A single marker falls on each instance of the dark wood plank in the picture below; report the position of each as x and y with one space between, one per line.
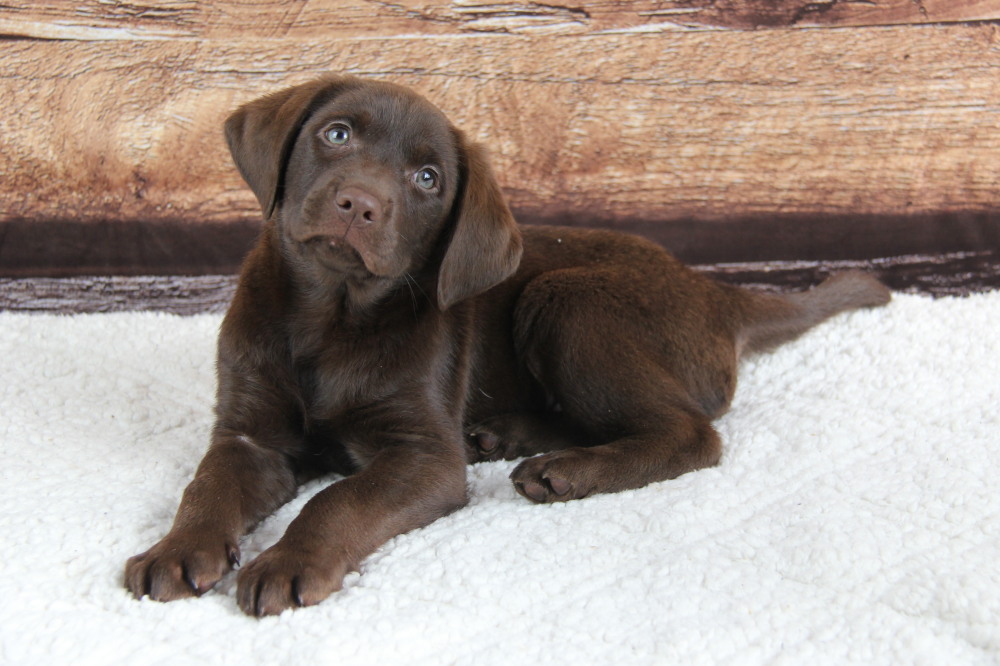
66 248
953 274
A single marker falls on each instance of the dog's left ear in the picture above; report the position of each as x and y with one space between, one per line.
485 246
261 134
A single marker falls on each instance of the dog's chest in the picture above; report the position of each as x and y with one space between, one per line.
345 367
343 375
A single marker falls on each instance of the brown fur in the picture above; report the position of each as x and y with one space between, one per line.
393 333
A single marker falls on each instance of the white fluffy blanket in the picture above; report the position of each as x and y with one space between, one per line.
855 517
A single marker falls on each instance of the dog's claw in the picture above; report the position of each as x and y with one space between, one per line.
233 555
190 581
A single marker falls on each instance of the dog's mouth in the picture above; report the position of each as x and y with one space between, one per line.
339 253
321 242
332 251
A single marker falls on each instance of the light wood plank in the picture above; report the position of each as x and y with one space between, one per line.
710 125
91 20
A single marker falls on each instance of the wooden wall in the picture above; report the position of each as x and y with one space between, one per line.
731 130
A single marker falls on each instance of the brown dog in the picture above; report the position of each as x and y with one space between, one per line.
393 324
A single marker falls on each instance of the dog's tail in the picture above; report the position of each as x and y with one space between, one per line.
773 319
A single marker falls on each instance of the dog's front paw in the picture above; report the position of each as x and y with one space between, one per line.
287 577
185 564
555 477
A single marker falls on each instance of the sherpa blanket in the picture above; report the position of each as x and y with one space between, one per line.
854 518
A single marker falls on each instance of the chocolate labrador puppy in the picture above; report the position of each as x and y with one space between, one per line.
393 324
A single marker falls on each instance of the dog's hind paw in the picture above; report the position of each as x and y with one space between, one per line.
554 477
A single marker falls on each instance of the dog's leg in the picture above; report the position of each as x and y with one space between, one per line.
682 441
641 373
403 487
239 482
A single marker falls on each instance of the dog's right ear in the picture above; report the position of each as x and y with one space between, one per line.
261 134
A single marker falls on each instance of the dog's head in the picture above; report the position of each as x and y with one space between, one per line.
371 180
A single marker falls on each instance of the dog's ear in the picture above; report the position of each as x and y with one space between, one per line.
261 134
485 245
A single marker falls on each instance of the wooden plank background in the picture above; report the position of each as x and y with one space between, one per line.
832 129
269 19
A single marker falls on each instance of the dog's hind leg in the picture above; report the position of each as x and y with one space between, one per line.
680 442
643 373
641 376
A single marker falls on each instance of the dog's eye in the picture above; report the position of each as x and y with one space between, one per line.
338 134
426 178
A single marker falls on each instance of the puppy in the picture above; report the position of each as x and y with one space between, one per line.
393 324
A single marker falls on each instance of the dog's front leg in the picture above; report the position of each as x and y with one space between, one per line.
405 486
238 482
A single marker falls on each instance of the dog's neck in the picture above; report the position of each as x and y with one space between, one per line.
355 299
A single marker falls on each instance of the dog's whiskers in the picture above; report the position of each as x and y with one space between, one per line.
411 283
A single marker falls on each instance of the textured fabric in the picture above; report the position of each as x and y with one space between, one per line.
855 517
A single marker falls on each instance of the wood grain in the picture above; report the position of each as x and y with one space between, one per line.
704 125
175 294
953 274
90 20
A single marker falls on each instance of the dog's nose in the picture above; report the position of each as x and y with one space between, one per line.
355 204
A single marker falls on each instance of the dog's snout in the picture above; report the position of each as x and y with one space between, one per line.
355 204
